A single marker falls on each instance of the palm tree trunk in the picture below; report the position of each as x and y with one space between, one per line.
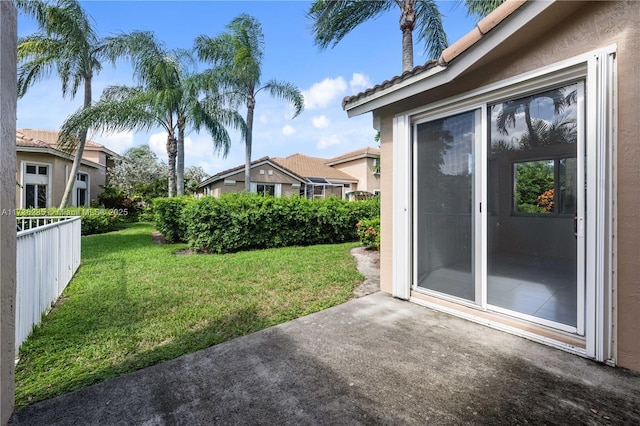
180 158
251 104
82 138
407 24
171 155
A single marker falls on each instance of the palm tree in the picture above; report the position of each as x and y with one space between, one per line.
333 19
237 59
66 42
170 94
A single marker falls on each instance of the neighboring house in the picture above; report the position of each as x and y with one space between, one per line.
303 175
43 169
545 85
364 165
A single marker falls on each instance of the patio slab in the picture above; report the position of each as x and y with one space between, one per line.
372 360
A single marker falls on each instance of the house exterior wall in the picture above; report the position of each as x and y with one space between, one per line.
95 156
386 204
218 188
59 168
595 25
362 170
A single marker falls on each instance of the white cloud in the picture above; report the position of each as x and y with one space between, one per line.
321 94
158 144
118 142
327 141
320 122
359 82
263 119
288 130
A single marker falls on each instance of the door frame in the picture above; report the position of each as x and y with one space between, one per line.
598 70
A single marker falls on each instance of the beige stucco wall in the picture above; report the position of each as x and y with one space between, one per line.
561 33
386 203
94 155
362 170
8 37
59 169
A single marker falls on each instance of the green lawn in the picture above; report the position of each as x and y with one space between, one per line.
134 303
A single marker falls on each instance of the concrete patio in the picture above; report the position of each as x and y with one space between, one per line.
372 360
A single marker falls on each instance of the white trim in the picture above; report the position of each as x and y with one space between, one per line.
502 327
24 181
581 209
401 269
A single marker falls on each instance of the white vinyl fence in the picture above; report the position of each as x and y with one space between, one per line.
47 258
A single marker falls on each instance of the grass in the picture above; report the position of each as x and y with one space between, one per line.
134 303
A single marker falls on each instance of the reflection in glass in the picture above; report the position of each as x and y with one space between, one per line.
540 120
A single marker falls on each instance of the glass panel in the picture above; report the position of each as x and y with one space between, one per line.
42 170
42 196
532 258
444 205
81 197
31 170
568 186
263 189
30 196
546 119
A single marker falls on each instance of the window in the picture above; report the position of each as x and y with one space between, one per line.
266 189
35 196
545 186
82 190
376 166
35 185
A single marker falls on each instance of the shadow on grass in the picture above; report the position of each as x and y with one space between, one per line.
244 321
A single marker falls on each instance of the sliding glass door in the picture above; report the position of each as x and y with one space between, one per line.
444 197
522 254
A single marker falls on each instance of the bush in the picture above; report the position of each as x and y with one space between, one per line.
243 221
94 220
114 198
369 232
168 217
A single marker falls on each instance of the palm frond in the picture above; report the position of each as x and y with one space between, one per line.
481 8
334 19
430 28
288 92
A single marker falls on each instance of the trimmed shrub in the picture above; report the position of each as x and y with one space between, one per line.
369 232
94 220
242 221
168 217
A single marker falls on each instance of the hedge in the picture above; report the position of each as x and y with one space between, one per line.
168 216
94 220
242 221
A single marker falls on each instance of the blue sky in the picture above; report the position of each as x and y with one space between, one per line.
367 56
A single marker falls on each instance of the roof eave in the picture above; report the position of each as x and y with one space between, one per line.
444 72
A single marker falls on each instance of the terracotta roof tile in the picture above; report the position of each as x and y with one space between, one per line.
307 166
50 137
450 53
